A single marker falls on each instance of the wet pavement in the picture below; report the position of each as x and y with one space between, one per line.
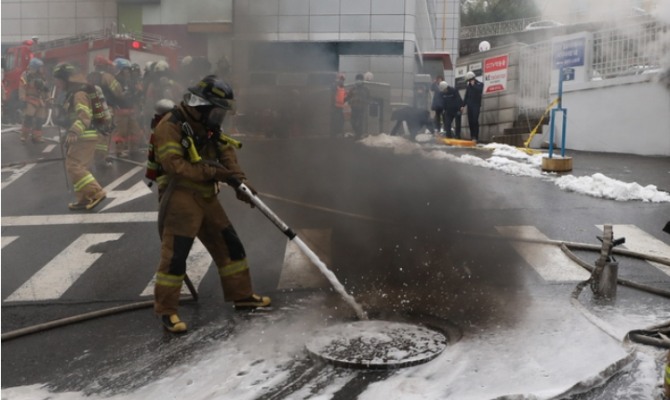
425 253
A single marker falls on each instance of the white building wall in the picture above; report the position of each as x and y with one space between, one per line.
356 20
22 19
176 12
602 117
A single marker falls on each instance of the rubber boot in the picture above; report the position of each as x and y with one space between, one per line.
172 323
252 302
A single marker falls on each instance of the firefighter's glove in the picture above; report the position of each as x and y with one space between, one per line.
243 196
71 138
222 174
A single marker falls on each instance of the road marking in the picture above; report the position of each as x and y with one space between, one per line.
16 174
298 272
123 196
547 259
12 129
80 218
52 280
7 240
49 148
197 265
640 241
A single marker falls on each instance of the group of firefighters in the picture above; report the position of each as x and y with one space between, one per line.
192 155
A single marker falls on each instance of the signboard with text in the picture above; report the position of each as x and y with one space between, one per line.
495 74
569 53
571 58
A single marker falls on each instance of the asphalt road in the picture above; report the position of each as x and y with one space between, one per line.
410 238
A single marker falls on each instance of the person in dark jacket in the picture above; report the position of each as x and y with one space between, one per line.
358 97
473 103
436 105
415 118
453 104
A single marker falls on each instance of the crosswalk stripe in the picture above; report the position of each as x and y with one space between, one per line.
59 274
16 174
7 240
197 265
548 260
298 272
81 218
640 241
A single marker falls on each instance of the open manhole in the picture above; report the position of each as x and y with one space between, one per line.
377 344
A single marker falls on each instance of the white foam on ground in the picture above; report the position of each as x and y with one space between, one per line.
514 161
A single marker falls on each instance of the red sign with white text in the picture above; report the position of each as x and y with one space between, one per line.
495 74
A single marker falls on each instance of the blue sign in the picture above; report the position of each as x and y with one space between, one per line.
569 53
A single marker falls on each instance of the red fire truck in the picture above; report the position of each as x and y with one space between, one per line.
79 50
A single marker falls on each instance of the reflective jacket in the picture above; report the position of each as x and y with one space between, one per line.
175 159
33 88
78 110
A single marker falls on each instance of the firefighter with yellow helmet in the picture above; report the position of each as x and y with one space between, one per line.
193 157
81 140
33 92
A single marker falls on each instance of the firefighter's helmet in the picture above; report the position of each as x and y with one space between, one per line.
163 105
121 63
35 64
101 61
215 91
161 66
443 86
469 75
186 61
64 71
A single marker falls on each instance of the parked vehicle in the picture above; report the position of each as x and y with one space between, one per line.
545 24
80 50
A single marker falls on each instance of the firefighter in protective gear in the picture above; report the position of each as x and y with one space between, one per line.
34 93
193 158
81 137
113 92
128 133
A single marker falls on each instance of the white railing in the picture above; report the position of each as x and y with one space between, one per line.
518 25
634 49
629 50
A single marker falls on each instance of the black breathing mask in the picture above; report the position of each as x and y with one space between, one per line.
212 117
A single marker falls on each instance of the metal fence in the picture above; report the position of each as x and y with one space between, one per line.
634 49
496 28
629 50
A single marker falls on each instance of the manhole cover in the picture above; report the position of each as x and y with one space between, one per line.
377 344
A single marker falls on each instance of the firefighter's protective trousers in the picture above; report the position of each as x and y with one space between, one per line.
81 152
128 133
79 157
189 215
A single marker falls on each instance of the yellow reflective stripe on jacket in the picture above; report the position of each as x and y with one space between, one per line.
234 268
169 148
169 280
80 184
162 180
92 135
83 107
115 86
79 126
102 147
